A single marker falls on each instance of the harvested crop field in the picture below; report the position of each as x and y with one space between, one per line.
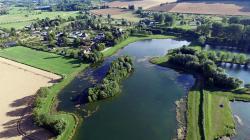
111 11
211 7
19 83
145 4
117 13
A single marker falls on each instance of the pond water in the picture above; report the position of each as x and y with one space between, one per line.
241 111
145 108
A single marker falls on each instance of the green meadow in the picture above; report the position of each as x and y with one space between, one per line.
42 60
20 17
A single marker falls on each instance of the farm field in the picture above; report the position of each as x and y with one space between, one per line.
43 60
20 17
145 4
117 13
69 68
19 83
211 7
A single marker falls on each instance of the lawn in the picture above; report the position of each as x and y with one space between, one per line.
42 60
218 117
20 17
193 128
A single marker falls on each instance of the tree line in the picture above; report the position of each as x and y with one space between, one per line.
235 35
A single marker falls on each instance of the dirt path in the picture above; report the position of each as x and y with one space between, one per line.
18 84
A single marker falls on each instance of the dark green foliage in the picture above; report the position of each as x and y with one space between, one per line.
235 35
119 70
234 20
204 63
93 57
43 119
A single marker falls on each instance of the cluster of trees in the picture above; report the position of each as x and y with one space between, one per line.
48 22
93 57
235 35
109 86
167 19
44 119
3 10
72 5
228 57
195 61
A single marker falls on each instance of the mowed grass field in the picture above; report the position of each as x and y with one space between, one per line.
20 17
42 60
193 128
218 117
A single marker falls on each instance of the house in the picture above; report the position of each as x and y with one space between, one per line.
42 8
36 33
99 37
84 35
29 27
78 34
59 34
10 44
3 34
44 33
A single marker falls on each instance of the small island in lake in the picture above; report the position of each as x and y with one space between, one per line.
109 86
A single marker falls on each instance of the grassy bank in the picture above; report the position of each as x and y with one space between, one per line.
193 128
132 39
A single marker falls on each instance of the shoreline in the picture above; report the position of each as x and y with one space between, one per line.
181 117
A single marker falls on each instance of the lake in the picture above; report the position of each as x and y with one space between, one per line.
145 109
